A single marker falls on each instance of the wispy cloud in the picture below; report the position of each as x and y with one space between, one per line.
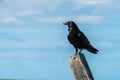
51 19
29 12
11 20
106 44
21 8
83 3
91 2
99 7
88 19
91 19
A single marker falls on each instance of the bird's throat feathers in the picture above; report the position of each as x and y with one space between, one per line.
70 29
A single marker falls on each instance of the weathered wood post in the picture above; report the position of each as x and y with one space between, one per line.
80 67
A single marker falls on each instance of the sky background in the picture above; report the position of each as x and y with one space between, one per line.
33 40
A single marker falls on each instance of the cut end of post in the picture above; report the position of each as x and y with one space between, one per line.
80 67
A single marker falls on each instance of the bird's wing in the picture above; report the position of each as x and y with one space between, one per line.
83 39
70 39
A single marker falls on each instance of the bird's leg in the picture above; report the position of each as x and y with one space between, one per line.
76 49
80 50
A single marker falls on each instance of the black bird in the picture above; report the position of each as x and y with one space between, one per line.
78 39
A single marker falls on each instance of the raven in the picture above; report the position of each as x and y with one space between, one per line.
78 39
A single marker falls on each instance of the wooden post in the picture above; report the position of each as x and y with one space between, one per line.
80 67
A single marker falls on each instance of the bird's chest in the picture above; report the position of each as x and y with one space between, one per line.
72 38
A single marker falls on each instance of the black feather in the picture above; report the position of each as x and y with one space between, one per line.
78 39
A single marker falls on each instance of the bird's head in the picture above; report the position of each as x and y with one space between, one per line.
71 25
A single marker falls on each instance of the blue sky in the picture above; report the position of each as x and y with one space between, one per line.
33 40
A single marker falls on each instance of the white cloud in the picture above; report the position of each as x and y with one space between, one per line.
89 19
105 44
51 19
10 20
28 12
100 7
42 5
20 8
91 2
82 3
28 7
41 8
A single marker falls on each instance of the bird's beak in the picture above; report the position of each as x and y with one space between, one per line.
65 23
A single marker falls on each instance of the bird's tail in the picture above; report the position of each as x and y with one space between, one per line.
92 49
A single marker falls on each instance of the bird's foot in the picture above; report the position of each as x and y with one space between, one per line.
76 53
80 51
